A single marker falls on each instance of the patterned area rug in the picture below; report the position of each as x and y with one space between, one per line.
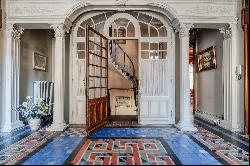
132 151
231 153
14 153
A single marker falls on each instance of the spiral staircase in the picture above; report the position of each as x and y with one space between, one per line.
124 64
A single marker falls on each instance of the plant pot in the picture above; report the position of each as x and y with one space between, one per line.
34 123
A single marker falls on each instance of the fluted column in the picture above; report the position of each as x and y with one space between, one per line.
186 115
231 110
16 71
11 77
58 112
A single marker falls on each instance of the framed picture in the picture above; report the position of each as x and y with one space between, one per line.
39 61
123 101
207 59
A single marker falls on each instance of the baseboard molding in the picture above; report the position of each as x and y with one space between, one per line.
221 123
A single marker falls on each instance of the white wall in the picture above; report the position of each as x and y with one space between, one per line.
34 40
116 80
209 83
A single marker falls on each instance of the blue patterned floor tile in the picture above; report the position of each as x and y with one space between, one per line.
57 151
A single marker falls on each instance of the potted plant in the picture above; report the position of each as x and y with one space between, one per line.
33 111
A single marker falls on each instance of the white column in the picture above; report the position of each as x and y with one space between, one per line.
58 112
11 77
186 115
18 31
231 111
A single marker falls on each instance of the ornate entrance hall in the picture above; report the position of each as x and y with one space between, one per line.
124 82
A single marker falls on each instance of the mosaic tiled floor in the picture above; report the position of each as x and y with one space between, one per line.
231 153
59 149
14 153
130 151
155 145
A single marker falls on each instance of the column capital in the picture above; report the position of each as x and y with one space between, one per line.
13 31
183 28
17 32
228 31
59 29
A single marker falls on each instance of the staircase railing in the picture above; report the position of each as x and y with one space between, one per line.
125 64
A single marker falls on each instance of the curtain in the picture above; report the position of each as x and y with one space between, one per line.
154 77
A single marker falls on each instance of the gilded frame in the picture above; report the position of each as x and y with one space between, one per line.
207 59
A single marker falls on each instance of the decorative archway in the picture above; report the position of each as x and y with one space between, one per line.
150 45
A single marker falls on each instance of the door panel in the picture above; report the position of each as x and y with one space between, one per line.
97 80
156 96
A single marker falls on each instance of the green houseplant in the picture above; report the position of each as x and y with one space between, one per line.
33 111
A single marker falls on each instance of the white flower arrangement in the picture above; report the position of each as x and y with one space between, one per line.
29 110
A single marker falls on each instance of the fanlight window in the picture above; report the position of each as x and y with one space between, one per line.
122 28
150 26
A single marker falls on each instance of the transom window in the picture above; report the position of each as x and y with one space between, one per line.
154 50
150 27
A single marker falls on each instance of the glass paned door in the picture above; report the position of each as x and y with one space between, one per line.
97 80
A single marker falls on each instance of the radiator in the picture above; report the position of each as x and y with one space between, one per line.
45 90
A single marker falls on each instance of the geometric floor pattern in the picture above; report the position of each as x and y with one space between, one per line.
131 151
144 145
231 153
59 149
17 151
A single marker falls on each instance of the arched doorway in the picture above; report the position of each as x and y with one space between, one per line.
156 61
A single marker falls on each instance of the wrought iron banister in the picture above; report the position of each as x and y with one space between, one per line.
121 57
125 63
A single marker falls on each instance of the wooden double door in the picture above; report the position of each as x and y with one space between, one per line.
96 80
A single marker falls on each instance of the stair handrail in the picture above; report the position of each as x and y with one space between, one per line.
124 53
134 79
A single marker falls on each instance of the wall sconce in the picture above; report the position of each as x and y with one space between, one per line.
239 71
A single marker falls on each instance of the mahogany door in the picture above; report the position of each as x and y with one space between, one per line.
96 80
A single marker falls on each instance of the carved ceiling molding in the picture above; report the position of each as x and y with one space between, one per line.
76 7
35 10
208 10
177 9
121 2
164 5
